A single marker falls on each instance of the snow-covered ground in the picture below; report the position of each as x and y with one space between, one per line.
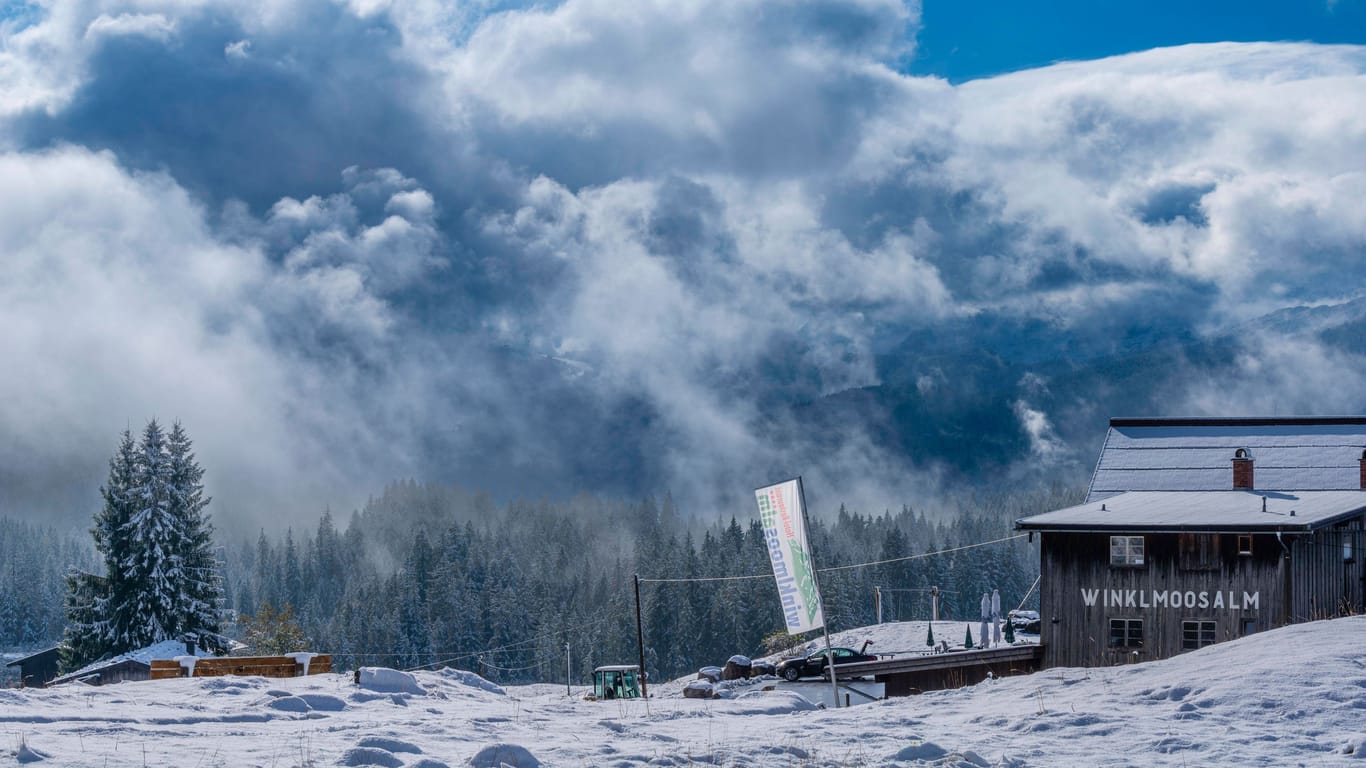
1295 696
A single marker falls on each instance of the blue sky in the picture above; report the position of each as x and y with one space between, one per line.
966 39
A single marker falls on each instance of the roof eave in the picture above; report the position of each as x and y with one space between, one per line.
1162 528
1237 421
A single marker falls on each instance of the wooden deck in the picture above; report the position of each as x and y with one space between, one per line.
259 666
937 671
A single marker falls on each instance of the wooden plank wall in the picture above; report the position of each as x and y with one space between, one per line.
260 666
1324 583
1075 634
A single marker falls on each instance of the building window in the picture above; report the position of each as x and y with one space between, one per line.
1196 634
1249 626
1126 633
1347 553
1199 551
1126 550
1244 544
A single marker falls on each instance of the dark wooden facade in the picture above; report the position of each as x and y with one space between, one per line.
124 670
36 670
1191 589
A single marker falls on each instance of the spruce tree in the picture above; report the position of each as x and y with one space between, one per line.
92 630
161 578
201 587
111 541
154 567
86 636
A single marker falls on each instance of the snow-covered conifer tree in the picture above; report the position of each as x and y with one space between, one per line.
92 630
161 578
201 588
154 566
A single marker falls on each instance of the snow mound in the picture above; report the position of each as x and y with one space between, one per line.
465 677
499 755
389 745
740 661
388 680
770 703
428 762
370 756
28 754
289 704
323 702
921 751
1355 747
228 685
702 689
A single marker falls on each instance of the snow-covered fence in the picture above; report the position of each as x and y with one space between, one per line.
260 666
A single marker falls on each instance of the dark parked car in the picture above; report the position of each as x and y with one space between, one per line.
1026 622
813 663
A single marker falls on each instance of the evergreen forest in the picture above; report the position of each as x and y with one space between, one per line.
432 575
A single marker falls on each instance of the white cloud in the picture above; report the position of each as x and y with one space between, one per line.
150 25
707 206
238 49
1268 130
121 304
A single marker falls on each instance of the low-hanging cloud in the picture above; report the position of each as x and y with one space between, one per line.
678 245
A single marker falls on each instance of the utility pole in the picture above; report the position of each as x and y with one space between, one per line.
567 678
640 642
877 602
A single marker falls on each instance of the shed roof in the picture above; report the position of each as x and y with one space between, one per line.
45 652
1196 454
1250 511
166 649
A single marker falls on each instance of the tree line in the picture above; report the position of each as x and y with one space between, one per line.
426 574
429 575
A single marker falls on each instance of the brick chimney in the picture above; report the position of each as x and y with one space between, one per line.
1242 469
1363 470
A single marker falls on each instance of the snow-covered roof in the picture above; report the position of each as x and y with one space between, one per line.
166 649
18 660
1196 454
1204 511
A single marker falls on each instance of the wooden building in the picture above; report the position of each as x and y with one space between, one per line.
1196 531
37 669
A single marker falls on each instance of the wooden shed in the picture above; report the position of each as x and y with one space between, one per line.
1197 531
35 670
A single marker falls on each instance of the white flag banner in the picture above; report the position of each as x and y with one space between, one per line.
784 522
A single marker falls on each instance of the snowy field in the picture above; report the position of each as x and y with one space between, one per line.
1295 696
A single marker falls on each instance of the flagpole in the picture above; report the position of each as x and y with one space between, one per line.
815 579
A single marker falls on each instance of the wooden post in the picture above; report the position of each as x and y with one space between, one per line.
825 624
640 642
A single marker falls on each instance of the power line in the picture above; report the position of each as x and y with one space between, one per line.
845 567
475 654
925 554
707 578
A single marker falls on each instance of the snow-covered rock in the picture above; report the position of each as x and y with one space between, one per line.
465 677
387 680
362 756
499 755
